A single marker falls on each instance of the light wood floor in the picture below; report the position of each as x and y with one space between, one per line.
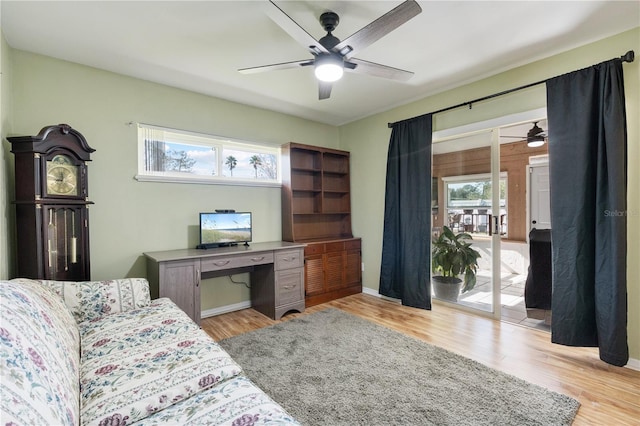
608 395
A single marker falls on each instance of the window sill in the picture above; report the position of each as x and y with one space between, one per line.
206 181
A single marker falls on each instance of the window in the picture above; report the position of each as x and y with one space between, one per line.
179 156
473 191
468 202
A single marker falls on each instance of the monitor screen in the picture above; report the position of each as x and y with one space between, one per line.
220 229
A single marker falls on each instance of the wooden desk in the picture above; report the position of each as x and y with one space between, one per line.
277 275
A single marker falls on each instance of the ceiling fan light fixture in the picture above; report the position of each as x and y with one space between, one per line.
329 68
534 137
535 141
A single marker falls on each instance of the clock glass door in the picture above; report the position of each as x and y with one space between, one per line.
64 227
62 177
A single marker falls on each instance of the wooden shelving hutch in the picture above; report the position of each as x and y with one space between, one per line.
316 209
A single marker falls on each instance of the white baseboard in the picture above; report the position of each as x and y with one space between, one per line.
371 291
633 364
225 309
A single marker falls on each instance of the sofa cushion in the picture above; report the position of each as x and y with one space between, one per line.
94 299
39 356
125 330
236 402
138 362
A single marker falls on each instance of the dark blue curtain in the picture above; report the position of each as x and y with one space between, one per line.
588 181
406 244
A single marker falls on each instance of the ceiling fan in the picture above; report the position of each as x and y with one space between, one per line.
331 57
535 136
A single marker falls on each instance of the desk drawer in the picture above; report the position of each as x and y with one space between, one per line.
353 244
230 262
289 259
289 286
314 248
334 247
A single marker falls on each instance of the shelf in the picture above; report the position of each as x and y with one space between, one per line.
305 181
306 190
305 159
335 163
322 226
324 213
306 169
336 202
306 202
315 193
335 183
330 172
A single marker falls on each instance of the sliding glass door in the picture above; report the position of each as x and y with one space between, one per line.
489 183
470 212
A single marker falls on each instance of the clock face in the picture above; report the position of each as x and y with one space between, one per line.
62 176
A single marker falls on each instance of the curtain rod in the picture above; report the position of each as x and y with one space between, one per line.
627 57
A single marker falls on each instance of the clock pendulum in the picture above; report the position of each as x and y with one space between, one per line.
66 242
51 241
74 239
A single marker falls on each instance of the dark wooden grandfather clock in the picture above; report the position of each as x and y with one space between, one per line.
51 198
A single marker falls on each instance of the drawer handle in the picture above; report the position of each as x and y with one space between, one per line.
288 287
289 259
221 262
257 259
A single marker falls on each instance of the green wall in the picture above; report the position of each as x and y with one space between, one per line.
6 162
131 217
368 140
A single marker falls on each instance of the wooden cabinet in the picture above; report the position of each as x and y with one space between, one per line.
180 281
316 210
332 270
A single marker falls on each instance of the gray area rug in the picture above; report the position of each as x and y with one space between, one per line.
333 368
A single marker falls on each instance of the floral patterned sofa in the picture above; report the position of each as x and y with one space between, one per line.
103 353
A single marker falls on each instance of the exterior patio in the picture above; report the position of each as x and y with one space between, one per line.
511 296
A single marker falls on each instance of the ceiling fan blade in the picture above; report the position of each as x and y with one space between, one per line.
542 135
292 28
377 70
534 132
273 67
378 28
324 90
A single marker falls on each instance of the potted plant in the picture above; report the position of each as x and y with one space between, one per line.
452 256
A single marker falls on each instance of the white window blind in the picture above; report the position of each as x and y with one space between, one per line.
181 156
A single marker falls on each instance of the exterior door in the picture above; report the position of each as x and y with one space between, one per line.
539 201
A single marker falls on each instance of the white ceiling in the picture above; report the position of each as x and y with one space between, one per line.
199 46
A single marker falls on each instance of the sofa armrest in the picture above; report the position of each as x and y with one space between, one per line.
88 300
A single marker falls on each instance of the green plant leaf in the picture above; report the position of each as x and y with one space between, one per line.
453 255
